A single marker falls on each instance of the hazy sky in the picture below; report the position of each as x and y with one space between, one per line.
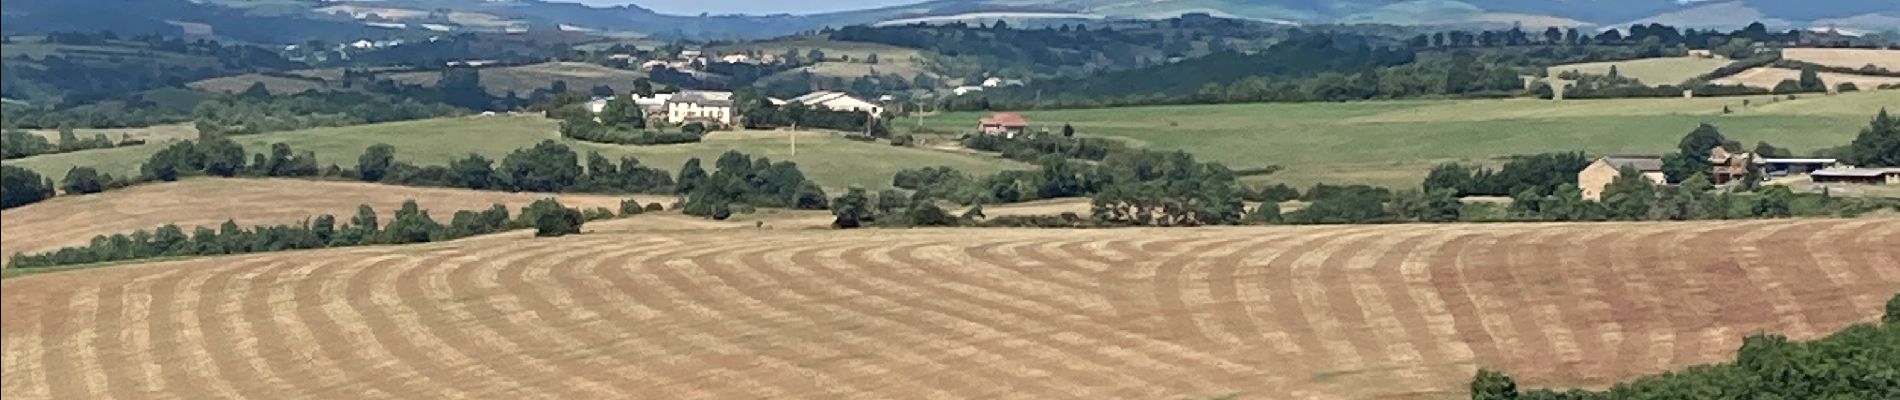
694 7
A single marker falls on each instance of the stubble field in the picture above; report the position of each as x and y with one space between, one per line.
1295 312
1847 58
1652 71
73 220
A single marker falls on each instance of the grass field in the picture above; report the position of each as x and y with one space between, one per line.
1396 142
831 160
119 52
1652 71
73 220
1847 58
1767 78
525 79
1356 312
150 134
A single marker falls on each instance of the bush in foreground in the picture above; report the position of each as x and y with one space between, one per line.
551 219
1855 363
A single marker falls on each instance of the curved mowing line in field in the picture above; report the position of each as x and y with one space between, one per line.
1317 312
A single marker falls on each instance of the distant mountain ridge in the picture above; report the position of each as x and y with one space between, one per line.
1858 15
1796 13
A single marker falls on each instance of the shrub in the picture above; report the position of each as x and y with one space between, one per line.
631 207
552 219
1266 213
546 167
375 162
852 210
412 224
1893 311
598 213
21 186
1277 193
590 131
83 180
1342 205
902 140
1065 220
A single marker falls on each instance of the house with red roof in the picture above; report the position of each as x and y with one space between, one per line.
1005 124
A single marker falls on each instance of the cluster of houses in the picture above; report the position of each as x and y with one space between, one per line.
694 60
1730 167
718 109
991 83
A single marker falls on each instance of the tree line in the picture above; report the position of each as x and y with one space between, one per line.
620 121
257 111
545 167
409 224
15 143
1032 147
739 184
1641 35
1855 363
760 113
971 51
72 76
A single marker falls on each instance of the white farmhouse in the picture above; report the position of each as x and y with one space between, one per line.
700 106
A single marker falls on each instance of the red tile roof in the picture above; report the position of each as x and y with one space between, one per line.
1007 120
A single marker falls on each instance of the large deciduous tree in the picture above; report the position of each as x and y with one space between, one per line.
375 161
83 180
546 167
1630 195
21 186
1879 144
852 210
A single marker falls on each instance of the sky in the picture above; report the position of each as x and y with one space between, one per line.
694 7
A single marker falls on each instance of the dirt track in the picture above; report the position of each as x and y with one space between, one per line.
1312 312
73 220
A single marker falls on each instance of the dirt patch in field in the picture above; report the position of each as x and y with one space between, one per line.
74 220
1353 312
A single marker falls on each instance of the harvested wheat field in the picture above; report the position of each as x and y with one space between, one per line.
1767 78
1847 58
1261 313
73 220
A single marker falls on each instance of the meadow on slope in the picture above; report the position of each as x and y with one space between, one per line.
1397 142
834 162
